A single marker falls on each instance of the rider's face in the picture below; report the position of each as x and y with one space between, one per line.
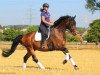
45 8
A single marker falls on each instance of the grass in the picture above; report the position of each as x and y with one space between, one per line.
88 61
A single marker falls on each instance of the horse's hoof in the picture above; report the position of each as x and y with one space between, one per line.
43 68
65 61
76 67
24 66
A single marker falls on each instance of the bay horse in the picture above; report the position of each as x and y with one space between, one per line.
56 41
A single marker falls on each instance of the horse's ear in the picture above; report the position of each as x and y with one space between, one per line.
74 17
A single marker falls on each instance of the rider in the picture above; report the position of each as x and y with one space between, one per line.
45 23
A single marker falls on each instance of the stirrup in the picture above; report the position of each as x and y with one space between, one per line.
42 46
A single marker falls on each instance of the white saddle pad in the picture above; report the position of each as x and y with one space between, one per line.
38 36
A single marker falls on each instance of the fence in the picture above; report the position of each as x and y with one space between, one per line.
69 45
79 46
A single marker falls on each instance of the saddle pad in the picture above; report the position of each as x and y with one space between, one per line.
38 36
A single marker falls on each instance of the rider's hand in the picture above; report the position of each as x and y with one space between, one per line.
51 23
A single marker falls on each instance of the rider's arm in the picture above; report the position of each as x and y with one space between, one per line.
44 21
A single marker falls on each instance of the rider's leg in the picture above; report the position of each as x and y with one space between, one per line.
43 40
44 36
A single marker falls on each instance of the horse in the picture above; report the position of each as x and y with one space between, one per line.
56 41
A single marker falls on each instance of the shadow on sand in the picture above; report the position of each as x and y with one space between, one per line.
47 68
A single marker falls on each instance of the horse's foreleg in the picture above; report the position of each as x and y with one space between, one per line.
25 59
68 57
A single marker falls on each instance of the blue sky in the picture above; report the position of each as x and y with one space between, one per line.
14 12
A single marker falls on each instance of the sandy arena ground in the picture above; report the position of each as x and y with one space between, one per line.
88 61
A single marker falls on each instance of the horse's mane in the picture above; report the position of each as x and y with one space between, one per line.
56 23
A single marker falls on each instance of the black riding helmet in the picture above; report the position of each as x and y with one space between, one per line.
46 5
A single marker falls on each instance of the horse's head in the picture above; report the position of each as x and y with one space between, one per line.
64 23
71 25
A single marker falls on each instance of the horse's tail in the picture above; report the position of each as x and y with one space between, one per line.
16 41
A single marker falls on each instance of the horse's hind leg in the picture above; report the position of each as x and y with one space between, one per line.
68 57
32 52
25 59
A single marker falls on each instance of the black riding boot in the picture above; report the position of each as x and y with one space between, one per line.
42 42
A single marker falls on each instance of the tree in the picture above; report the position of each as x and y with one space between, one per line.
93 5
94 32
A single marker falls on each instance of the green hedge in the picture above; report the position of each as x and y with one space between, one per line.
10 34
32 28
72 39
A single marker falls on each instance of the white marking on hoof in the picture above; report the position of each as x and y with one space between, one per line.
24 66
67 56
72 61
40 65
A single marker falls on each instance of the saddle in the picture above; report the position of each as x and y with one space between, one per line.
38 36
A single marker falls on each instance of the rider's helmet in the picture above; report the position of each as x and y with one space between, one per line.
46 5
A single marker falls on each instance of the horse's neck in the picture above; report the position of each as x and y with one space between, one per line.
61 27
57 33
